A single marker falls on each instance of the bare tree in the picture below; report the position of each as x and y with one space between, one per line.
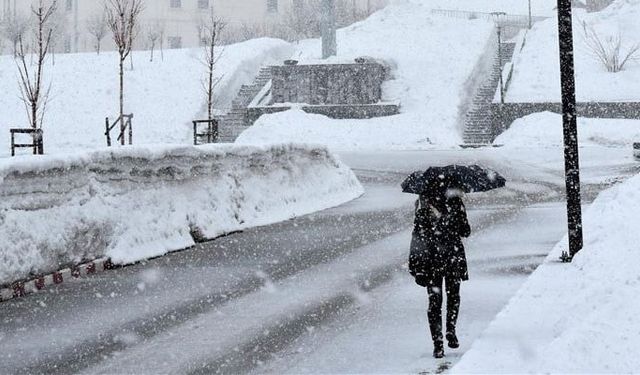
122 20
97 27
212 31
3 23
162 33
15 28
31 77
58 29
610 51
154 33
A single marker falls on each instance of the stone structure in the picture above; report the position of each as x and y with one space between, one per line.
339 91
505 114
330 84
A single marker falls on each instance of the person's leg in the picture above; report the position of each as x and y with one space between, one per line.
453 308
434 314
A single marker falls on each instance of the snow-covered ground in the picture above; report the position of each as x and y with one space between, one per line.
536 76
164 95
387 333
139 202
432 59
579 317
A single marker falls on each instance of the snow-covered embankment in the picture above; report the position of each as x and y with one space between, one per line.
164 95
580 317
130 204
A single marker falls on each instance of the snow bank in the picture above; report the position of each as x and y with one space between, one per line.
545 130
164 95
580 317
536 77
134 203
432 59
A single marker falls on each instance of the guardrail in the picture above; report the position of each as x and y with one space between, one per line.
506 20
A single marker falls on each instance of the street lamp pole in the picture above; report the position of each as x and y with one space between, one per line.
530 21
570 129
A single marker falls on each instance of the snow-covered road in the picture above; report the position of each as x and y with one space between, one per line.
320 293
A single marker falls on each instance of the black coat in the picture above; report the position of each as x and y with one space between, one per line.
436 244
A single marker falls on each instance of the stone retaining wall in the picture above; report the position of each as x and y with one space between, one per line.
503 115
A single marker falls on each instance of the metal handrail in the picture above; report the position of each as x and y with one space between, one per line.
507 20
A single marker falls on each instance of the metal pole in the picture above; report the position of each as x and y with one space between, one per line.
530 22
328 24
569 119
500 62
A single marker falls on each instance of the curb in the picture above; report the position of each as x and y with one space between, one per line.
23 288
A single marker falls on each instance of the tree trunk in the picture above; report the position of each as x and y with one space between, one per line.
122 99
210 88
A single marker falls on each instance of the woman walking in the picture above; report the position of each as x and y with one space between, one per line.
438 259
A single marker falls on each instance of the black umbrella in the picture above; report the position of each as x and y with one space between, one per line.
468 178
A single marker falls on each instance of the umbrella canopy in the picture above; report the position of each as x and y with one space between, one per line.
468 178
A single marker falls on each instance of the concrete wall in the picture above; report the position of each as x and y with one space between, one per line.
328 84
503 115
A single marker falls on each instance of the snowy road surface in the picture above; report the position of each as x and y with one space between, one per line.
321 293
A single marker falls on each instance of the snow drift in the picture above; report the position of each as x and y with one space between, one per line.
138 202
574 318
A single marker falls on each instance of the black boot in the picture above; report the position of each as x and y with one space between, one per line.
438 349
452 340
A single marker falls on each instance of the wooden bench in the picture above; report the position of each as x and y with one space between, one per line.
36 135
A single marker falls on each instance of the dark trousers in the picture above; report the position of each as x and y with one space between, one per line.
452 287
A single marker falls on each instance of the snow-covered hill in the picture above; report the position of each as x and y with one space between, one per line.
164 95
536 77
432 58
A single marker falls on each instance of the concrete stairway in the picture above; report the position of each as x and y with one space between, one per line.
234 122
478 122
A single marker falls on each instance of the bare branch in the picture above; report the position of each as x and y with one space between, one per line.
610 52
31 92
97 27
211 34
122 20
